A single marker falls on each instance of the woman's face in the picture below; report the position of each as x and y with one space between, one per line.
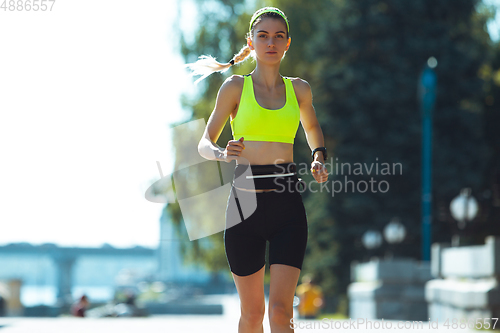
269 40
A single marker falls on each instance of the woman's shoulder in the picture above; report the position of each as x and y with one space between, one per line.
234 81
299 83
232 86
301 86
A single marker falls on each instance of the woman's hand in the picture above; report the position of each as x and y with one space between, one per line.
319 171
233 150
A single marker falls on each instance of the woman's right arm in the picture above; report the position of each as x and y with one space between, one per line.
227 101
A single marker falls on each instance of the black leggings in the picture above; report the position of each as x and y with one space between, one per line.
252 218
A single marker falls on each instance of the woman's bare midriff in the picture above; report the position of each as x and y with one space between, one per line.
264 153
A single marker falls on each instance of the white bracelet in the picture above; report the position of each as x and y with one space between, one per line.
273 175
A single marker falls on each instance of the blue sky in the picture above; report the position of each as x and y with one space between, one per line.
88 90
494 25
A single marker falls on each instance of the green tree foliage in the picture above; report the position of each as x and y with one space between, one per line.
363 60
490 200
372 57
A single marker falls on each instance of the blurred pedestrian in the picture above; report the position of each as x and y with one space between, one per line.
2 306
80 307
130 298
311 298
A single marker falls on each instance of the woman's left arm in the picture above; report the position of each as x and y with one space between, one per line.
314 134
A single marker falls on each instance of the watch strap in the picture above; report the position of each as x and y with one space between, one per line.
322 149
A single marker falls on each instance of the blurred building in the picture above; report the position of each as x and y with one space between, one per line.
49 274
171 268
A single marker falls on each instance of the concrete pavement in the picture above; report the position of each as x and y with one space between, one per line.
226 323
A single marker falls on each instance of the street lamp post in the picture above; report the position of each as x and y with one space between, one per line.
427 96
372 239
394 233
464 209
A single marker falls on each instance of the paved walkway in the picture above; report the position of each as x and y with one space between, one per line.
226 323
185 324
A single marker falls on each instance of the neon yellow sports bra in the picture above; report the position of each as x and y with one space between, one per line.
255 123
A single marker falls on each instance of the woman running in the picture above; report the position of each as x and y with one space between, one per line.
265 205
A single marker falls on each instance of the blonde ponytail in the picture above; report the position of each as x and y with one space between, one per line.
207 65
242 55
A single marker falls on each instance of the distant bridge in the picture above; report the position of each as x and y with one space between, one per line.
65 257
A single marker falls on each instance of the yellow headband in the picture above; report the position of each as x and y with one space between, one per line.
270 10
